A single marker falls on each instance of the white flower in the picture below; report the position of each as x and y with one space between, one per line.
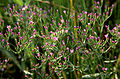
9 27
24 8
71 50
62 20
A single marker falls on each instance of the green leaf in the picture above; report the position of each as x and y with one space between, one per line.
27 2
11 56
19 2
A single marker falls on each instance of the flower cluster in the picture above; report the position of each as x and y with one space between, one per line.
51 41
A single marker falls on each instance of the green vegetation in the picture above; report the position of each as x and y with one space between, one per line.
59 39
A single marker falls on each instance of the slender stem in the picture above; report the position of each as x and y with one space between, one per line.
76 57
64 75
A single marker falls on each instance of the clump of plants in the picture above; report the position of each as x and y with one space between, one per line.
46 44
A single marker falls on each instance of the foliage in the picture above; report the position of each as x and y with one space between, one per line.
54 43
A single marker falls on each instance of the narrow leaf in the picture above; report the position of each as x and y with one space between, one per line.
11 56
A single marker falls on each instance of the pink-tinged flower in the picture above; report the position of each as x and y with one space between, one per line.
37 48
43 36
21 37
13 7
59 54
42 60
88 24
47 50
51 53
98 2
106 26
2 69
91 37
107 13
8 5
10 9
53 45
78 16
119 33
6 60
18 27
67 48
64 63
68 37
65 58
106 36
78 47
87 39
0 33
24 8
31 22
31 37
97 7
112 5
48 56
2 40
26 76
115 57
61 16
38 54
74 26
84 30
15 28
87 52
21 19
96 38
71 50
105 69
99 14
46 43
33 68
62 20
49 44
115 28
57 10
21 45
55 71
66 31
55 38
40 9
18 43
64 11
81 19
111 10
119 26
113 41
62 51
9 30
29 41
63 42
8 43
91 13
86 13
9 27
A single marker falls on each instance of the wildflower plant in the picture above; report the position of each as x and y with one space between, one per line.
47 40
